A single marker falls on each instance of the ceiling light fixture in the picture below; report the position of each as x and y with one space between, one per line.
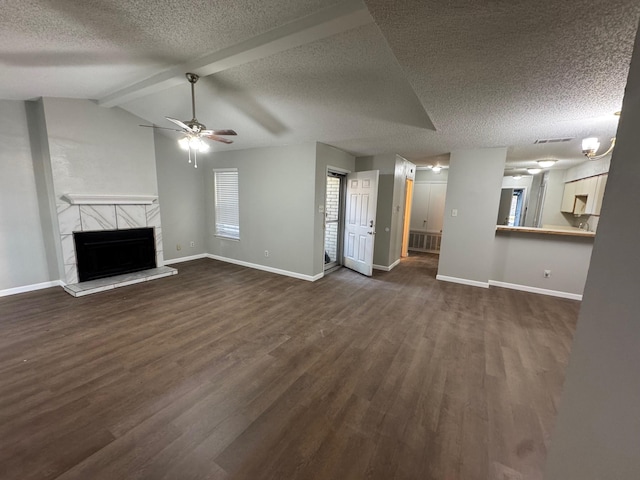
534 171
591 145
546 163
436 169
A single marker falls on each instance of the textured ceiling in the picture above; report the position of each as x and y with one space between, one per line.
484 73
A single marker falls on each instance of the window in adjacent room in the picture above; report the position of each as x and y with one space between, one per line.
226 203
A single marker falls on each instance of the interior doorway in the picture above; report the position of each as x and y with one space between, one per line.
512 209
408 200
333 219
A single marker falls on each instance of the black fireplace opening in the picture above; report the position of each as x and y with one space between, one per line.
114 252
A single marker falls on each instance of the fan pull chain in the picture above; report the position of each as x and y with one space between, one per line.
189 154
195 158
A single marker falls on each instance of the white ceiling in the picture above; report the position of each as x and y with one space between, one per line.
414 77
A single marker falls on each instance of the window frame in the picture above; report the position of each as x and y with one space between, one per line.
228 231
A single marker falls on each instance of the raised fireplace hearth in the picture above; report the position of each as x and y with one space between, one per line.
107 253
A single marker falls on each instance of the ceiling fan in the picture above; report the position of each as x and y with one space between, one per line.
193 130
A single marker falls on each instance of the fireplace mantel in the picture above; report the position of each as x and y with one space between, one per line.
83 199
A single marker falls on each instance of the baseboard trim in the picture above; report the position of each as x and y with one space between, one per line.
462 281
541 291
287 273
30 288
384 268
185 259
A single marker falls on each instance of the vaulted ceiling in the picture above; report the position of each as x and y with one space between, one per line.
416 77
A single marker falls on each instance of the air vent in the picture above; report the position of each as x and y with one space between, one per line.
553 140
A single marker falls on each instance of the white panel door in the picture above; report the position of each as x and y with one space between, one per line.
360 221
420 206
437 196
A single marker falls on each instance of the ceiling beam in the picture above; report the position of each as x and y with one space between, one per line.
331 21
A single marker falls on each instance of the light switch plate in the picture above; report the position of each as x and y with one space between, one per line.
454 212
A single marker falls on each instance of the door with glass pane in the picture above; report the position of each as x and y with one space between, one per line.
333 220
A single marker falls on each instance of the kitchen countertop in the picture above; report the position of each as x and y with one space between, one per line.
568 231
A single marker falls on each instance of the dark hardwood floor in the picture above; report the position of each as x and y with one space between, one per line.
223 372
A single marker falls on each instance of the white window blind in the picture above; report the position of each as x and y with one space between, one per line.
226 203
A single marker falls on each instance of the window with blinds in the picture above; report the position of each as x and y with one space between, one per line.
226 203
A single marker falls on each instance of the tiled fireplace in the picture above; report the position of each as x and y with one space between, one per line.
100 213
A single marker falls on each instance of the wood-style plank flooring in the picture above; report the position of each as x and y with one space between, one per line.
223 372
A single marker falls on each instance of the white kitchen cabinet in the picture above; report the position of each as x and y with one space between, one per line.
602 183
583 197
569 197
427 208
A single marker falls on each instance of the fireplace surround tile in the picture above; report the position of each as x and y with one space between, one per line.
71 273
153 215
98 217
68 218
131 216
68 249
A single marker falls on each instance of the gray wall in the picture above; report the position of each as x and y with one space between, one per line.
97 150
325 156
475 181
551 214
403 169
182 197
386 248
277 198
521 258
536 183
23 259
597 433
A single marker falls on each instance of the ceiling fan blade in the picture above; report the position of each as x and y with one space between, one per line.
217 132
181 124
161 128
219 139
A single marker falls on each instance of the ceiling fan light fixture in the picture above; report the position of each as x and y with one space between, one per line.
546 163
436 169
534 171
183 143
591 145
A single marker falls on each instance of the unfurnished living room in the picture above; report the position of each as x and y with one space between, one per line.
319 239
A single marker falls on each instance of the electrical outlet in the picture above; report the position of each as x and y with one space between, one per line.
266 253
192 244
547 273
178 247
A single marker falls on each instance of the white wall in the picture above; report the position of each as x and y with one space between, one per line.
97 150
182 196
520 259
23 259
473 189
429 176
326 156
277 195
597 434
